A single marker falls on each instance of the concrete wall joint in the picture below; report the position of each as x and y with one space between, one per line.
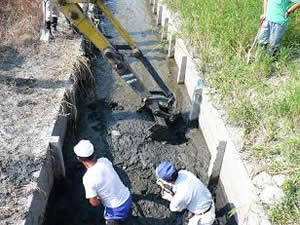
232 172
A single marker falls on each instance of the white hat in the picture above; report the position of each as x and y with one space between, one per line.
84 148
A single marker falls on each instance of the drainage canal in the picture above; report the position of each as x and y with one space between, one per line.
110 121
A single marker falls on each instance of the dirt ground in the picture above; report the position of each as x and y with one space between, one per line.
32 81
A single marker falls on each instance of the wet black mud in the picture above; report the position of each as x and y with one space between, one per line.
121 134
109 119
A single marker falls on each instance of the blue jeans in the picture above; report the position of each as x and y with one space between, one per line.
271 33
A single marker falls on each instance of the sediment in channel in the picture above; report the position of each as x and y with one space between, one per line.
109 120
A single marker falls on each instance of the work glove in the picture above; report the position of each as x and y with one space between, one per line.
167 192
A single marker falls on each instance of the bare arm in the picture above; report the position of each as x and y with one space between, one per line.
293 8
94 201
265 6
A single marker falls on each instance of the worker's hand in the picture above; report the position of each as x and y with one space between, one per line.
262 17
166 195
95 201
160 183
288 13
190 215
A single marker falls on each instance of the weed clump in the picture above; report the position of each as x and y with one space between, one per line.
20 19
263 97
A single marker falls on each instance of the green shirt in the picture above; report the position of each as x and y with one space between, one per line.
277 9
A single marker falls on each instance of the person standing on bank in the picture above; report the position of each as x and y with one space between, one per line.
185 191
51 15
276 14
103 185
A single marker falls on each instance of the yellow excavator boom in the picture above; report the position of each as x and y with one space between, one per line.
159 102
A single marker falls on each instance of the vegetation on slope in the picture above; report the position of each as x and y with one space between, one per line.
19 19
263 97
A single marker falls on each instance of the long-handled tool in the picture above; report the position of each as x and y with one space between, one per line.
255 41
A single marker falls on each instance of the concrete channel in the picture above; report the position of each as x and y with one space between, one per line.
108 118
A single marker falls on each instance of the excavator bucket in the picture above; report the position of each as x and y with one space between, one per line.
160 102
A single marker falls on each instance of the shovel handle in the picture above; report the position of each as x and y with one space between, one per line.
255 40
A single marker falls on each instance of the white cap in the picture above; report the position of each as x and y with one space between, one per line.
84 148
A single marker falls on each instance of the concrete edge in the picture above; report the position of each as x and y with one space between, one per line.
234 176
53 167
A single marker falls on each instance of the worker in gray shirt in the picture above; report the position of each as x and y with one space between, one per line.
185 191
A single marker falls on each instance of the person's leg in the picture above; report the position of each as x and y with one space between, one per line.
263 38
209 217
47 11
55 15
264 34
195 220
276 35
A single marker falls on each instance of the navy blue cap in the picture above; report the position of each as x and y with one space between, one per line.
165 170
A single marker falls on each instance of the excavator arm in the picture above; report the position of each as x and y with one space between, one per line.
159 102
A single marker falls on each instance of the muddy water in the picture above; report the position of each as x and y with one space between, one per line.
110 121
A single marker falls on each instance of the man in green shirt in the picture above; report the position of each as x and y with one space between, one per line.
276 16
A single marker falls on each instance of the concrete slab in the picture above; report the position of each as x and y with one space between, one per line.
180 56
165 22
159 13
233 175
154 6
54 163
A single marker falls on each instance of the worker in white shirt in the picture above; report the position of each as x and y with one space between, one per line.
103 185
185 191
51 15
88 9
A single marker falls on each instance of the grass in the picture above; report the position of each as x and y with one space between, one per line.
20 19
262 97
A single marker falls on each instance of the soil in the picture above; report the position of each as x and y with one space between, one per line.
32 81
110 121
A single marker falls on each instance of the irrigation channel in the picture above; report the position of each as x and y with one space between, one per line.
110 121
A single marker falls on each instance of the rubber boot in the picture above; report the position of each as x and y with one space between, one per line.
261 50
46 32
54 24
49 34
272 51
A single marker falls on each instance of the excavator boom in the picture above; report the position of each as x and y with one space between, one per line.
159 102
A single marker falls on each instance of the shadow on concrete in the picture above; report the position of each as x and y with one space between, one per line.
148 43
142 33
10 58
32 83
227 215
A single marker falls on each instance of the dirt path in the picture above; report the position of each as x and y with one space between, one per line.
32 82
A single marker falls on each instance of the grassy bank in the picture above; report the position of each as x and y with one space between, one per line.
19 20
263 97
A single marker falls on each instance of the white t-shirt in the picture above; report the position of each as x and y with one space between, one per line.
190 193
102 180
